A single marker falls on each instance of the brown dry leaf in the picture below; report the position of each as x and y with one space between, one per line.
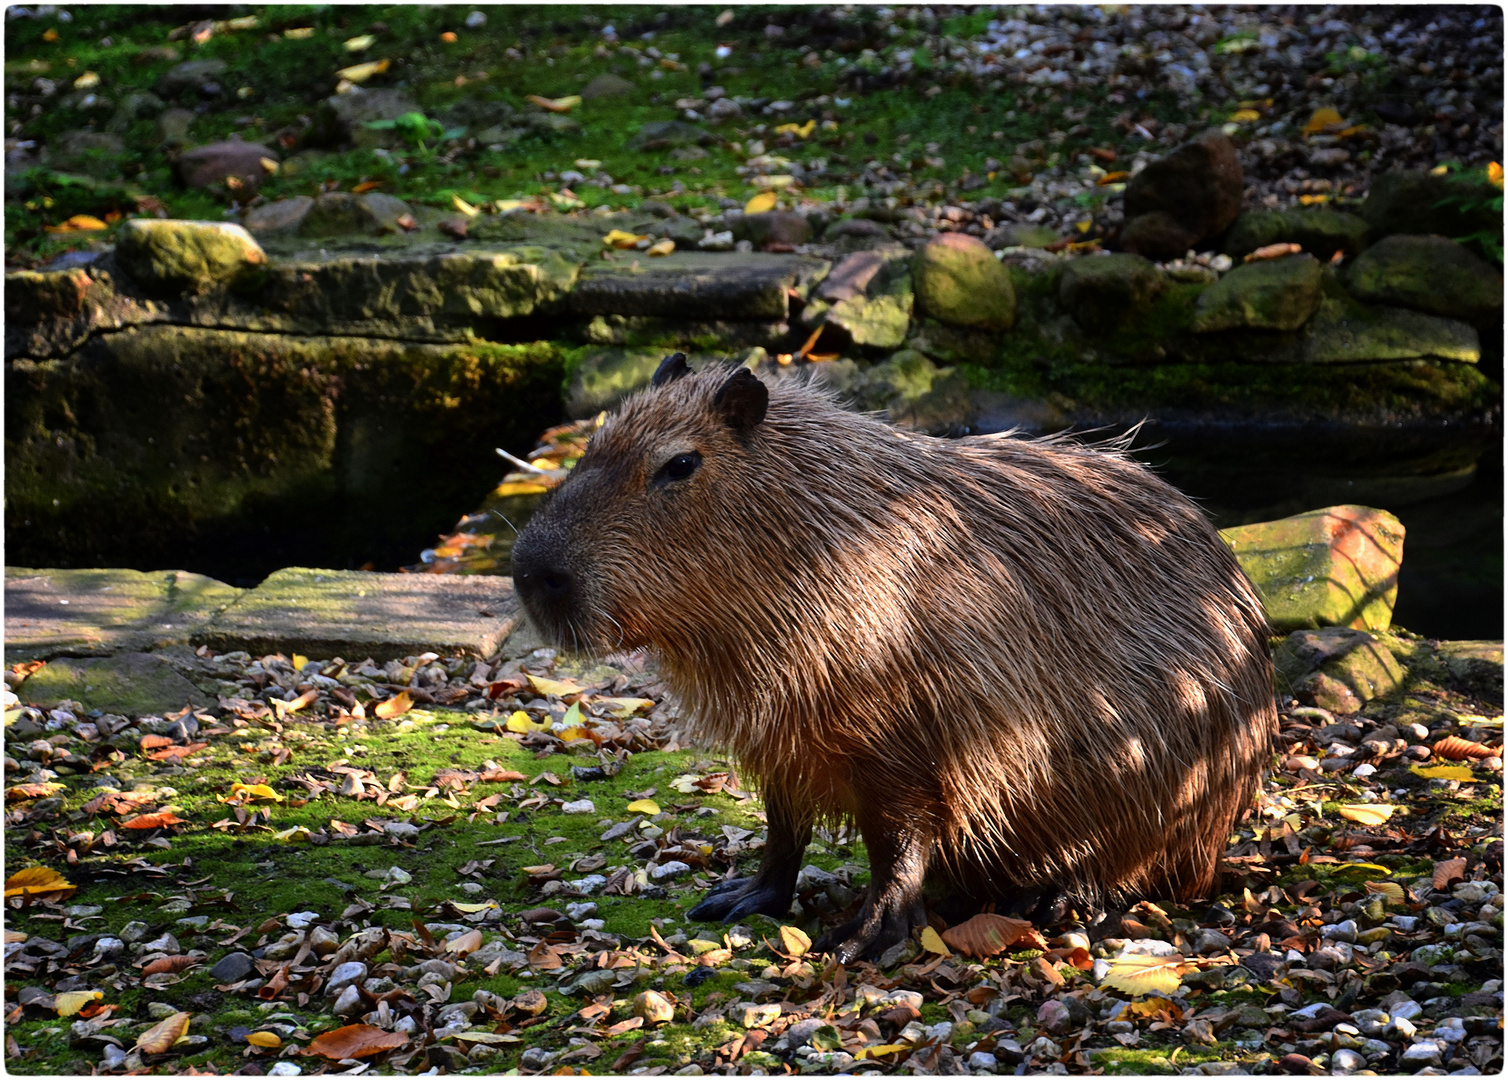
169 965
1448 872
1455 748
394 706
1273 251
556 105
366 186
160 1037
22 792
469 942
1144 974
1389 889
283 708
990 935
37 881
161 820
795 940
354 1041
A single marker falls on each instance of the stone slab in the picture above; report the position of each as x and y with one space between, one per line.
1479 664
698 285
356 614
132 683
52 613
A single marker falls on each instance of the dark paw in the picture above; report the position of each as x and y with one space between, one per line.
734 899
876 929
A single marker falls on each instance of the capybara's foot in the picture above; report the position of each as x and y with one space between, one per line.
879 925
742 896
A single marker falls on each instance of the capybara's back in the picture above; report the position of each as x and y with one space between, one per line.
1030 665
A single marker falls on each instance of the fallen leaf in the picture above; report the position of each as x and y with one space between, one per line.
875 1051
520 724
463 206
1449 872
1455 748
359 44
397 705
989 934
71 1001
1390 889
160 1037
644 806
933 942
553 687
1495 174
22 792
1273 251
1366 813
169 965
268 1040
79 223
469 942
765 200
795 940
1314 200
300 661
1144 974
1321 119
663 247
358 73
161 820
251 793
556 105
354 1041
1443 772
1245 116
283 708
618 238
1116 177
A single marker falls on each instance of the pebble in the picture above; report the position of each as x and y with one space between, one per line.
579 806
1342 931
302 920
668 871
1420 1054
983 1061
1347 1061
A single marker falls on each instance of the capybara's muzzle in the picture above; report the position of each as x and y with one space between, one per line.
544 585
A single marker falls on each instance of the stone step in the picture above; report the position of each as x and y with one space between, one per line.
318 613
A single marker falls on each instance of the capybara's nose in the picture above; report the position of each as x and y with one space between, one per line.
542 583
554 584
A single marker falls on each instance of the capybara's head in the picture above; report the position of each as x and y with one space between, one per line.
617 556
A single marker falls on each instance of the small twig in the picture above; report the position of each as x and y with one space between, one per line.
528 466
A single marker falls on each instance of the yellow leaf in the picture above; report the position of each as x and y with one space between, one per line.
619 239
296 835
472 909
87 81
1366 813
518 487
357 44
1495 174
1439 170
250 793
623 707
801 131
35 881
1443 772
463 206
266 1039
1363 868
362 72
776 182
1389 889
887 1048
1246 116
795 940
394 706
299 33
1321 119
520 724
160 1037
79 223
644 806
664 247
549 687
299 662
1144 974
933 942
71 1001
1314 200
558 105
765 200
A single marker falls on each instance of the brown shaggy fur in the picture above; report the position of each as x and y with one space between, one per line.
1024 663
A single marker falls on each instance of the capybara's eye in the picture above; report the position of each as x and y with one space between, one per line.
677 468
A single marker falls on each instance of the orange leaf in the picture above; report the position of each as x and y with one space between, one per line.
989 935
394 706
353 1041
154 821
1116 177
1449 872
1273 251
169 964
366 186
159 1038
1455 748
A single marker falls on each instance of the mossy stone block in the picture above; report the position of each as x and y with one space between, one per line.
1273 294
51 613
1429 274
1321 231
958 280
170 257
1477 664
1337 668
132 683
355 614
1349 332
604 377
1105 293
1332 567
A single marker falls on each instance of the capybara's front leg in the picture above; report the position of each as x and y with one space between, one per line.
893 905
770 890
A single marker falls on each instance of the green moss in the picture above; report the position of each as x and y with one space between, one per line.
1154 1061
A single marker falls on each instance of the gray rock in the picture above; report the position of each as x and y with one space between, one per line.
1339 669
344 117
1104 293
867 296
772 228
606 85
669 871
352 971
664 134
1020 234
94 153
134 106
190 75
602 379
232 968
1195 191
169 257
1320 231
1419 1055
1429 274
348 1001
1344 332
1414 201
281 217
173 126
752 286
1272 294
213 163
337 212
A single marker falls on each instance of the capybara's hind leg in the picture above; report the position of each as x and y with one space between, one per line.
893 905
770 890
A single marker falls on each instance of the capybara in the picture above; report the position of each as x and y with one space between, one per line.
1029 666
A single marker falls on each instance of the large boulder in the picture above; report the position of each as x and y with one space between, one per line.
131 683
1343 331
773 229
1429 274
1332 567
1476 664
1320 230
1105 293
344 117
169 257
868 296
604 377
1189 196
1337 668
958 280
240 166
282 216
1419 202
1273 294
338 213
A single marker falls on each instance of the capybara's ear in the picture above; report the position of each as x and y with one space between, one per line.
671 368
742 400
